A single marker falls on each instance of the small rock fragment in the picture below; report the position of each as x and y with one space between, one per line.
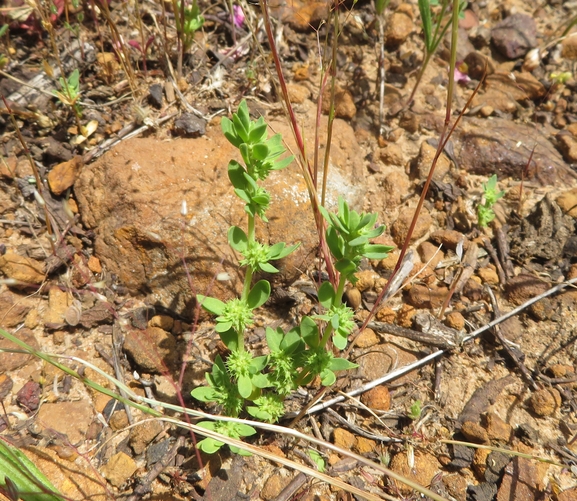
399 26
298 93
386 314
400 227
475 432
424 161
569 47
377 398
515 35
545 402
396 186
353 298
155 95
23 269
153 350
567 201
63 175
568 146
119 469
273 486
69 418
423 470
344 103
422 297
28 398
488 276
11 361
455 320
343 438
367 338
189 125
523 287
392 154
497 429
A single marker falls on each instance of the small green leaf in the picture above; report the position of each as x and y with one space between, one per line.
244 385
258 294
340 341
260 151
273 339
211 304
341 364
309 332
268 268
317 459
230 339
203 393
328 377
326 294
237 239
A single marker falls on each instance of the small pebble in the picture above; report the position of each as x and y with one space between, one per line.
455 320
545 402
475 432
377 398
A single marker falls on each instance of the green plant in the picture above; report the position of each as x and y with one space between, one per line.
318 460
491 194
259 384
434 28
69 95
188 21
416 410
21 479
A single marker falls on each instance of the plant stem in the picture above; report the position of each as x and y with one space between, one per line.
336 302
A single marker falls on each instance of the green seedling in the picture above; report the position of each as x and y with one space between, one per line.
318 460
21 479
258 385
434 28
188 21
415 411
491 194
69 94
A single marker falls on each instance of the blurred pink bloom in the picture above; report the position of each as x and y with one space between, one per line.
238 16
460 73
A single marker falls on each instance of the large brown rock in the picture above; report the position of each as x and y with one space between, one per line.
132 196
503 147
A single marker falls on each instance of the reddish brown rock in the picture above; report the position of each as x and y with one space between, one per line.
13 309
523 287
132 196
421 296
502 147
497 429
545 402
153 350
567 201
399 26
520 481
68 418
515 35
23 269
400 227
423 470
63 175
11 361
474 432
119 469
569 46
377 398
75 480
343 438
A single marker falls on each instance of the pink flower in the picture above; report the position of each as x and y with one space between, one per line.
237 16
461 73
